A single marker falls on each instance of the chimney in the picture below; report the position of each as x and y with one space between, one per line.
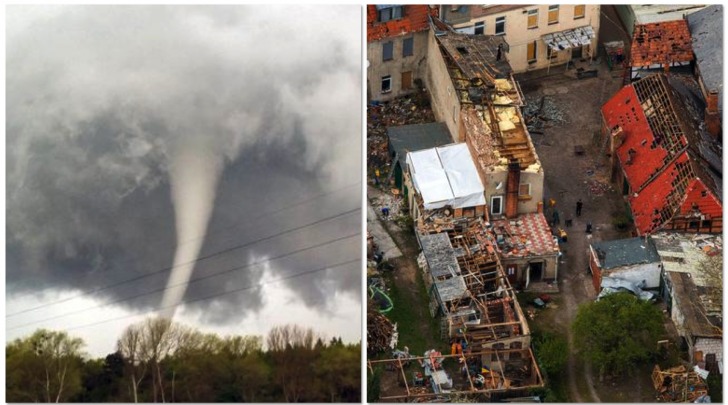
712 116
512 183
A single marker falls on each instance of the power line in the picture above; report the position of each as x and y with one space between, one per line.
249 287
232 226
189 282
228 250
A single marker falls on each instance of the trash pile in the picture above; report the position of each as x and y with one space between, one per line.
538 112
678 384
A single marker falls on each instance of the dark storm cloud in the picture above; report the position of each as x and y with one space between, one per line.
99 100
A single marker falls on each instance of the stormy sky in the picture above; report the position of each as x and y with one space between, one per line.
134 132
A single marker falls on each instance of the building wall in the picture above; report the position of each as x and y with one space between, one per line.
378 68
708 346
443 98
525 206
550 267
518 35
650 272
595 270
626 14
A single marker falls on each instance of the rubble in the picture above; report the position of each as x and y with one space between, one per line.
677 384
541 113
380 331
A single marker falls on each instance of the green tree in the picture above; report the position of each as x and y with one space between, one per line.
45 367
552 351
617 332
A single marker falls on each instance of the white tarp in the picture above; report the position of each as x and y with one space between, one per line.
446 176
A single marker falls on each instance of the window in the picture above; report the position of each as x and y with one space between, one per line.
388 51
391 13
524 189
408 46
479 28
386 84
406 80
500 26
553 14
531 53
550 53
496 205
511 270
579 11
533 18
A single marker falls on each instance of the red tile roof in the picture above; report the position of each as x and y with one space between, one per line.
661 43
656 152
414 20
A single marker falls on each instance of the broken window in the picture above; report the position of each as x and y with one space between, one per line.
391 13
386 84
388 51
531 52
500 26
524 189
406 80
479 28
579 11
533 18
496 205
553 14
408 46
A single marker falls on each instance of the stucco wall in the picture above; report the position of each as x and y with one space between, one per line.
524 206
650 272
443 98
378 68
518 35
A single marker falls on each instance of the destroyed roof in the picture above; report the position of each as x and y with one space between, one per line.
661 43
439 254
451 289
665 154
412 138
476 55
625 252
681 256
527 235
571 38
706 29
446 176
414 19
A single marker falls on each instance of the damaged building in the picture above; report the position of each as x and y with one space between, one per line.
693 293
474 92
396 48
667 165
541 35
633 259
660 46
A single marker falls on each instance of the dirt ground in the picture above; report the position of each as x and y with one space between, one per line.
569 177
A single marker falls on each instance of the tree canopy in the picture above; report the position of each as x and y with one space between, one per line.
159 361
617 332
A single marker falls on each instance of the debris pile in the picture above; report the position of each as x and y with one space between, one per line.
388 200
539 112
677 384
400 111
380 331
598 188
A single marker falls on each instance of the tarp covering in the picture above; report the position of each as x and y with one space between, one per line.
446 176
611 285
573 38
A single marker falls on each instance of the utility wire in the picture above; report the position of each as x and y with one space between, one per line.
249 287
199 259
190 281
229 227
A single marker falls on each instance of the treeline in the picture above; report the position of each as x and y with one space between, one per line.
159 361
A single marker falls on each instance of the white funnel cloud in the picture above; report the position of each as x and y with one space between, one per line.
194 174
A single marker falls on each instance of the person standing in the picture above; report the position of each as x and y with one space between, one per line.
579 204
